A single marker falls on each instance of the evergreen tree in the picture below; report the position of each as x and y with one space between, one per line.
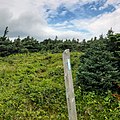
5 33
96 71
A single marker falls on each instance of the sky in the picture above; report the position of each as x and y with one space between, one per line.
67 19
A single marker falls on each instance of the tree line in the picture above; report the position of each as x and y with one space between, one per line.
30 44
99 65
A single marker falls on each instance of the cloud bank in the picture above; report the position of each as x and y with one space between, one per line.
63 18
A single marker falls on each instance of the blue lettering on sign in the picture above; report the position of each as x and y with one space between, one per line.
69 66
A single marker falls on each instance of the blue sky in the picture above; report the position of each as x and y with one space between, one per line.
78 11
64 18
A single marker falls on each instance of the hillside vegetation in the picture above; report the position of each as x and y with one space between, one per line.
32 87
32 78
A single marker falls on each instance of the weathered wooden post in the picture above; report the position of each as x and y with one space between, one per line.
69 86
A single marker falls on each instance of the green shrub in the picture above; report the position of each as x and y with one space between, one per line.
96 70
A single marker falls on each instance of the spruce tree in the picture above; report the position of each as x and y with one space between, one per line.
96 71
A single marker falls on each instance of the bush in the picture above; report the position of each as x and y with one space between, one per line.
96 71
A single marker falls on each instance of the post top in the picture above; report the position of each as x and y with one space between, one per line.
66 51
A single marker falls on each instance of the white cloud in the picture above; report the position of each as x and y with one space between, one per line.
115 3
22 17
105 22
28 18
100 24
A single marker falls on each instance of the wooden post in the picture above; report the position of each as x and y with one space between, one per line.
69 86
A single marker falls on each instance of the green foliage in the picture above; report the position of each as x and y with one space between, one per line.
114 46
32 87
93 107
32 84
29 44
96 70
